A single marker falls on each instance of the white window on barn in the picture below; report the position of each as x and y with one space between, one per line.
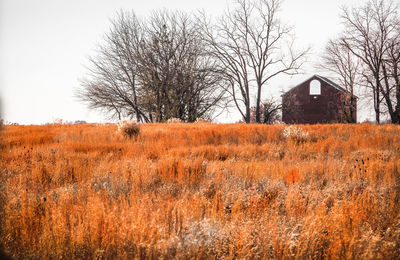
315 87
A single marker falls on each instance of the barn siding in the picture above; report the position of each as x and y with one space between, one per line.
302 108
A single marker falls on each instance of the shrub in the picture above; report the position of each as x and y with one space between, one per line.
296 133
129 128
174 121
202 120
58 121
278 122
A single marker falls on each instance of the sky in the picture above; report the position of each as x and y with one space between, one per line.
45 45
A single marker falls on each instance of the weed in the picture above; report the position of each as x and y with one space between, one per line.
200 191
129 129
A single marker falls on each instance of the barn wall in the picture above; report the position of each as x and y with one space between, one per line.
302 108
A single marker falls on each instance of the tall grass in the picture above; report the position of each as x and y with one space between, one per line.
200 191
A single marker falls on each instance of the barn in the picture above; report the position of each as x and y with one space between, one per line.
318 100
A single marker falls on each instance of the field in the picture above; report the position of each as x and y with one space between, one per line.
200 191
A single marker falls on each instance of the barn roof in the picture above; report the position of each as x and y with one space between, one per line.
330 82
326 80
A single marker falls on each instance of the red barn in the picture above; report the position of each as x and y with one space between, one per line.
318 100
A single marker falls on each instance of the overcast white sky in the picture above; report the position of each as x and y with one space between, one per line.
44 45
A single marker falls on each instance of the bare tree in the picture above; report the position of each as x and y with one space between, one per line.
111 81
153 70
340 61
368 34
253 46
269 111
177 70
391 77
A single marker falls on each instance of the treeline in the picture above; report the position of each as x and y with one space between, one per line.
366 56
178 65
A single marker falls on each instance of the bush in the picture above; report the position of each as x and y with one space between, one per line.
174 121
296 133
58 121
278 122
202 120
129 128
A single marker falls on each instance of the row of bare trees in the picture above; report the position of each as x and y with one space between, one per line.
366 55
175 65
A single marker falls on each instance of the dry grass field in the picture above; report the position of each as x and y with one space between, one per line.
200 191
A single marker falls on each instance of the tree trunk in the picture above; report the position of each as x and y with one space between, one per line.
352 109
247 119
377 108
397 82
258 112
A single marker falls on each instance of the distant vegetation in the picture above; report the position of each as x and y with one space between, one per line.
172 64
200 191
365 56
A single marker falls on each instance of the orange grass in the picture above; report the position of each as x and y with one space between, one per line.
200 191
